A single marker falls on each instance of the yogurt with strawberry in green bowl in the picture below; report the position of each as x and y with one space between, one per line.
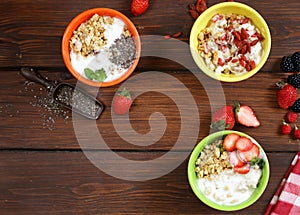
228 170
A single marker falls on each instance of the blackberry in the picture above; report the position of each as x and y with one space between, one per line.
296 60
294 80
296 106
286 64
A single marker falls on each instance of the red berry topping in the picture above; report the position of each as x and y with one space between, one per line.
286 96
291 116
286 128
297 132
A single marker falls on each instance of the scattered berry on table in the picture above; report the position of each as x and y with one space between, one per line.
296 106
291 116
122 102
245 115
286 128
296 61
139 7
294 80
286 95
286 64
223 118
297 132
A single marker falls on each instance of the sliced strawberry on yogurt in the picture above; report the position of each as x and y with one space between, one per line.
250 154
244 144
235 160
243 169
229 142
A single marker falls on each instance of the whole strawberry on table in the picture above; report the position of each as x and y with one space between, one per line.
227 116
122 102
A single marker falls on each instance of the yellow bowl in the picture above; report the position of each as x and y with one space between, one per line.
229 8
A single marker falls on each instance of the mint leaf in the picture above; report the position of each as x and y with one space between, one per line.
100 75
90 74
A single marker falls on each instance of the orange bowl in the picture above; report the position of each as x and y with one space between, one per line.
75 23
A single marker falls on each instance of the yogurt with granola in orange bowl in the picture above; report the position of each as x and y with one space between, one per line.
101 47
230 41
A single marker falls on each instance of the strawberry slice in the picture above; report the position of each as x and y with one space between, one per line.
245 115
250 154
235 160
243 169
230 141
244 144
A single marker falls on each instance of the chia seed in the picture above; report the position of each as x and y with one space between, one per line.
78 101
122 52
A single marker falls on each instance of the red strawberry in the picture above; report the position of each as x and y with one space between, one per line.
139 6
235 160
243 169
245 115
291 116
122 102
250 154
286 95
297 132
230 141
286 128
223 118
244 144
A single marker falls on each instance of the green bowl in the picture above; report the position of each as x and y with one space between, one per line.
193 178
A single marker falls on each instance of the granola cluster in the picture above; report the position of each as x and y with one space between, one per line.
89 38
212 160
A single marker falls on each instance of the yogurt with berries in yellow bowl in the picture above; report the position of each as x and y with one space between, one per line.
230 41
228 170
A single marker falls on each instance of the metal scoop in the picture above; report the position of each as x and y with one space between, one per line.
74 99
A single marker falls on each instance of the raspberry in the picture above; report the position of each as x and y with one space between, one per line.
296 60
286 64
291 116
296 106
286 128
294 80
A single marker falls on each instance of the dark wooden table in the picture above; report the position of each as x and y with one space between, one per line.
43 167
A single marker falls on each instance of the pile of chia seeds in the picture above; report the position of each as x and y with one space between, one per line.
79 101
122 52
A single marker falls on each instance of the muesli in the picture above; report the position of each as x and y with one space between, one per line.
229 170
102 48
230 44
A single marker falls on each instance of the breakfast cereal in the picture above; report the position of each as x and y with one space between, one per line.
230 44
102 48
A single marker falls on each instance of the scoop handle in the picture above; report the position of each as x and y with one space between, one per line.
32 75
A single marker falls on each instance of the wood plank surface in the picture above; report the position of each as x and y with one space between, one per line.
66 182
44 165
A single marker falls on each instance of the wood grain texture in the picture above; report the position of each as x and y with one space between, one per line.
32 36
43 169
66 182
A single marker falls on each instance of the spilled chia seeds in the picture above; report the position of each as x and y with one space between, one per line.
49 110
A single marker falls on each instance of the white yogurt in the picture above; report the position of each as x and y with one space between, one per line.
101 59
230 187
